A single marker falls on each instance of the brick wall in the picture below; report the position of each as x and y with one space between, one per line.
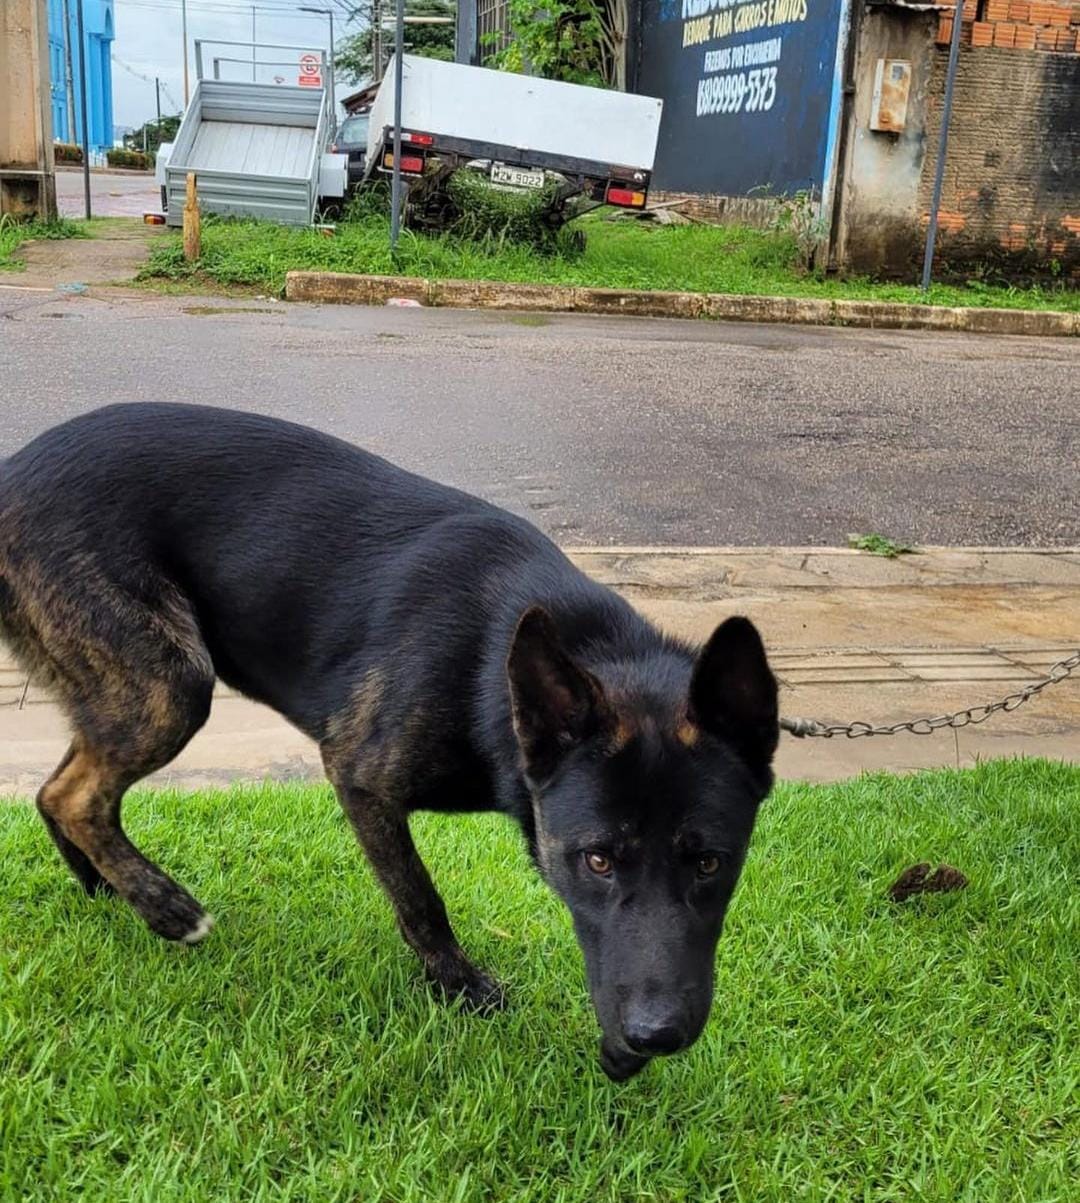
1011 198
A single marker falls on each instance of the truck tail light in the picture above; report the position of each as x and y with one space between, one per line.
418 139
410 164
625 197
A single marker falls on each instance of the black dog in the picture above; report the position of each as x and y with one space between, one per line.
445 655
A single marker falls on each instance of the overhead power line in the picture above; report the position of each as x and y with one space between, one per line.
241 8
149 79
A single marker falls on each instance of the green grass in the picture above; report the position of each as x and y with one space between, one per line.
880 545
694 258
859 1049
14 233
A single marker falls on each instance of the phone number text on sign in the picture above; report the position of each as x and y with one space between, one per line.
740 91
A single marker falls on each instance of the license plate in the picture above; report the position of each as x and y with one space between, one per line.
516 177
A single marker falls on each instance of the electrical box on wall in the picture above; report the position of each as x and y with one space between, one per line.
892 83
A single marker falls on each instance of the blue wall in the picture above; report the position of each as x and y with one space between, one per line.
98 30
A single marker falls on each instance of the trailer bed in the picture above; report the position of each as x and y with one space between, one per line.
251 149
255 149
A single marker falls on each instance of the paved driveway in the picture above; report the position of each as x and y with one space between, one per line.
110 195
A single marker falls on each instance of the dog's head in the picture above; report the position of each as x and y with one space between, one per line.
646 775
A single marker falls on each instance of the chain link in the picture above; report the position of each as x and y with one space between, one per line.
802 728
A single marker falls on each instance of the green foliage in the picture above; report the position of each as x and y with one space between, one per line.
555 39
353 55
128 158
153 134
799 215
13 233
67 152
484 213
879 545
622 254
859 1049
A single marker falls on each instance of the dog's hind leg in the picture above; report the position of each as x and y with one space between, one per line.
81 865
84 803
136 695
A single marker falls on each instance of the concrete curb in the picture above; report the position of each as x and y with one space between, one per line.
343 288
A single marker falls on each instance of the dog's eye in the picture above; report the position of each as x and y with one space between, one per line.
599 863
708 865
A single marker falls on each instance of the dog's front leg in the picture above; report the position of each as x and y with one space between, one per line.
383 831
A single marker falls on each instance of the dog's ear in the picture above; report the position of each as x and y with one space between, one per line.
733 692
555 703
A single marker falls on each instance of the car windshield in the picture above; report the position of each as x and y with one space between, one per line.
354 129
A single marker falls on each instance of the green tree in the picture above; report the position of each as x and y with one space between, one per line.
353 54
577 41
155 134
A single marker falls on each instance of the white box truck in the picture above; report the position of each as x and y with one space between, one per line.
520 131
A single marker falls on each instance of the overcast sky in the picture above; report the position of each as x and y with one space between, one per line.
148 41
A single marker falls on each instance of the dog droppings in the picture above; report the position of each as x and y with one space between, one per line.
919 880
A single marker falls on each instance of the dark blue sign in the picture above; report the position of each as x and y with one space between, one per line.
751 92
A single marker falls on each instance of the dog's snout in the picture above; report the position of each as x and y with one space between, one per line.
653 1030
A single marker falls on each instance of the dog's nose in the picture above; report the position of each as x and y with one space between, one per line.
655 1032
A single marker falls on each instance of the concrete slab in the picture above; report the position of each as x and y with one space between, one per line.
116 253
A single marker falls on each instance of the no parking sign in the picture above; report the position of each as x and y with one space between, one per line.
310 71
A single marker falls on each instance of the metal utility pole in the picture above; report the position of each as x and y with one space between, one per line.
327 12
183 34
69 74
253 43
82 98
943 145
157 96
333 68
376 41
395 191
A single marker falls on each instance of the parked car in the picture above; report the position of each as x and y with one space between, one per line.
352 139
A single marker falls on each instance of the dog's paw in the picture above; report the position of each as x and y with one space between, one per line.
619 1064
458 980
483 994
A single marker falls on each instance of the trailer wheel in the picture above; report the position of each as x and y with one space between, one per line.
164 199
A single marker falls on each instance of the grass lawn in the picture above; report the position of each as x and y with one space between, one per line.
694 258
859 1049
14 233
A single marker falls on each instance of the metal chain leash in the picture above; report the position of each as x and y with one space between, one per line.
804 727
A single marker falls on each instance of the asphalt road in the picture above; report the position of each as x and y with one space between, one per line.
606 430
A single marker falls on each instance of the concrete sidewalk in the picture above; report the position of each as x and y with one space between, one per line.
851 636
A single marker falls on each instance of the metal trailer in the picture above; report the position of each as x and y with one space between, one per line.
520 131
257 150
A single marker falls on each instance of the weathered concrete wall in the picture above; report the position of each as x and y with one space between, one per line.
758 212
1011 198
27 184
878 229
